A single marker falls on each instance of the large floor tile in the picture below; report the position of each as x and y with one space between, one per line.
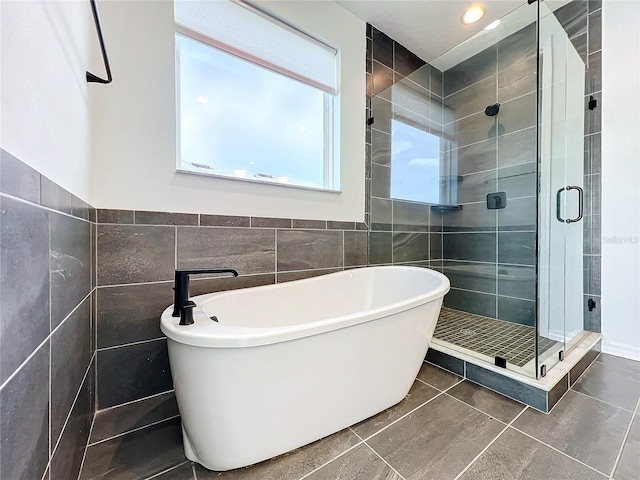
437 377
582 427
629 464
360 462
419 394
136 455
292 465
515 456
118 420
436 441
491 403
610 384
619 362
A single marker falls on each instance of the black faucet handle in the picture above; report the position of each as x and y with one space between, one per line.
186 313
199 271
181 285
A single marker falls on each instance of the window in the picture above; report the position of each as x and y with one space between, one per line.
415 163
256 97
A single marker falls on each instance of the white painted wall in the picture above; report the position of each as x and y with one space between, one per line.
134 124
621 177
44 121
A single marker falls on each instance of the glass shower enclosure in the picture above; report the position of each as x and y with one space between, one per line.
493 145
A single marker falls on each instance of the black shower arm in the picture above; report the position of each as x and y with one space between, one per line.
90 76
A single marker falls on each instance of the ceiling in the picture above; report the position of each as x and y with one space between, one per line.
429 28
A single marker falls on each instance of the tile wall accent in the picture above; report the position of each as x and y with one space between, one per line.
399 86
583 21
139 251
47 347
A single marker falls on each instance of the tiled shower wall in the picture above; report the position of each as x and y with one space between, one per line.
47 352
401 232
139 251
489 255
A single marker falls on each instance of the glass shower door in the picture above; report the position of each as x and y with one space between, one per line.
560 197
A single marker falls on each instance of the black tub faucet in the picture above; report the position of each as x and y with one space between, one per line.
182 306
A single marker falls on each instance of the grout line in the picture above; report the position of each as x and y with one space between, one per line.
334 458
523 406
503 296
86 447
487 447
21 366
131 344
156 475
634 369
134 401
134 430
193 471
388 464
480 111
440 393
442 368
49 337
624 440
489 139
602 401
49 209
555 449
73 404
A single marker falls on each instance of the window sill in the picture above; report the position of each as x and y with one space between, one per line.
257 181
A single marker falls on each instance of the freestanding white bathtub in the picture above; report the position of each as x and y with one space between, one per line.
288 364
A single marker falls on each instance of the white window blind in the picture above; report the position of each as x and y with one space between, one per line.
243 30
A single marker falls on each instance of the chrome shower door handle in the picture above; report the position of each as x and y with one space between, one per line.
580 203
558 208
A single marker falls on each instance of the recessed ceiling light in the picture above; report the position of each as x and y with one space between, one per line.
492 25
201 99
472 15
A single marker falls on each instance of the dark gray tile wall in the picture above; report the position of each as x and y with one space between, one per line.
400 231
588 41
47 353
137 253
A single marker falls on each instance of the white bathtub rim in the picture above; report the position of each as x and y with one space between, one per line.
206 333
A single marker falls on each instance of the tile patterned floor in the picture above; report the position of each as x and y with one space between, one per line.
490 336
445 428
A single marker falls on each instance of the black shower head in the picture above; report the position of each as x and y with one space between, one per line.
492 110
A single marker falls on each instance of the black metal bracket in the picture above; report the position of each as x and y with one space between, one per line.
370 121
91 78
593 103
500 362
543 370
531 1
591 304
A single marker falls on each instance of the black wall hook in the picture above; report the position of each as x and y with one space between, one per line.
90 76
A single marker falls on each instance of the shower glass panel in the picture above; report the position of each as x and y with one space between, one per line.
490 148
560 244
477 170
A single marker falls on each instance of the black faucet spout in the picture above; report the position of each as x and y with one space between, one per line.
181 288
